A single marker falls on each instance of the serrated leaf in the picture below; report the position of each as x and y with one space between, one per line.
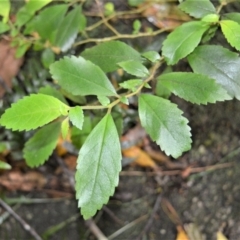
5 7
131 84
103 100
234 16
134 68
32 112
197 8
68 31
34 5
152 56
76 116
4 27
165 124
220 64
231 31
47 57
183 40
39 147
107 55
47 90
81 77
98 167
65 128
194 87
49 21
4 165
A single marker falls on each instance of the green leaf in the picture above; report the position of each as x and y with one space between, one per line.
136 26
131 84
39 147
210 18
135 3
34 5
4 27
164 123
231 31
107 55
5 7
22 49
134 68
103 100
234 16
81 77
194 87
76 116
23 16
197 8
209 34
52 92
4 165
47 57
65 128
124 100
77 99
98 167
108 8
49 21
220 64
67 33
152 56
182 41
32 112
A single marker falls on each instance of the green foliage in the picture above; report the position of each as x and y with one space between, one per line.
81 77
32 112
99 163
193 87
76 116
183 41
84 100
197 8
220 64
108 55
39 147
4 165
231 31
134 68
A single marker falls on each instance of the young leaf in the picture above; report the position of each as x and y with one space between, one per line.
65 128
47 90
47 57
39 147
103 100
131 84
32 112
22 49
32 5
183 40
197 8
234 16
220 64
107 55
134 68
49 20
4 165
68 31
152 56
76 116
164 123
5 7
136 26
4 27
99 164
23 16
81 77
194 87
210 18
231 31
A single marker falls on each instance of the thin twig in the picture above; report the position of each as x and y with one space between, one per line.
112 215
126 227
25 225
95 230
150 220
